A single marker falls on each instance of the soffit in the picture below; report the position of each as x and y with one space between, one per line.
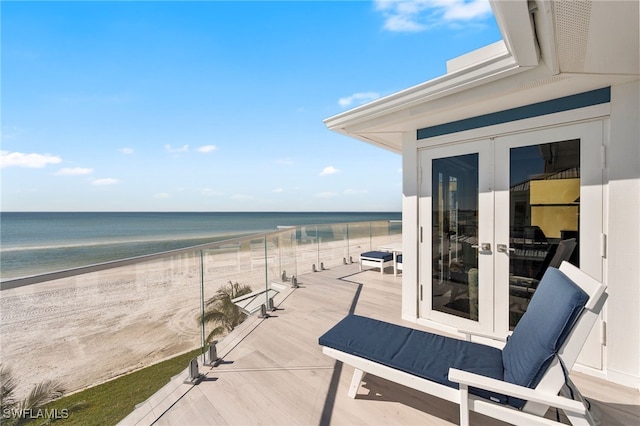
597 37
500 81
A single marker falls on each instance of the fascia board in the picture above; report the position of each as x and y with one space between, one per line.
546 35
423 104
517 27
405 105
391 141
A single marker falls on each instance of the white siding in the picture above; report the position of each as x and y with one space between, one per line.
623 257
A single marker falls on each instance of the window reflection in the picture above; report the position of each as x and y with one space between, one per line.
544 215
455 232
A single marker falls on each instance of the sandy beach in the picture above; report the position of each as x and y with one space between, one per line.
90 328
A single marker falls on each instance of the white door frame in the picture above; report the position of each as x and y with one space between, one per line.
591 135
591 224
485 234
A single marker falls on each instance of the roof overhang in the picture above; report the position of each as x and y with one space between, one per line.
536 61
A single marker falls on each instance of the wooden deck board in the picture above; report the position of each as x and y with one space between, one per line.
274 371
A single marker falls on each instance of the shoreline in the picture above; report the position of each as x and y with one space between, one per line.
104 252
90 328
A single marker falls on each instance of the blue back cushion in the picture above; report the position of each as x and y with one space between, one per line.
542 330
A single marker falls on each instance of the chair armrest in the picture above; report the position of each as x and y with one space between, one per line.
470 334
482 382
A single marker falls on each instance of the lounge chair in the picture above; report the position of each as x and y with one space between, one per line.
376 259
516 384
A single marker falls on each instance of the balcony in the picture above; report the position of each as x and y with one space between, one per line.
116 318
273 371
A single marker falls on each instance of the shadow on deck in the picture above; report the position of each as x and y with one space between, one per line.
275 373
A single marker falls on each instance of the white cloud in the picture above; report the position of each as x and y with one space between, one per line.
329 170
208 192
105 181
32 161
467 10
326 194
358 98
126 151
183 148
355 191
278 190
206 148
75 171
421 15
162 195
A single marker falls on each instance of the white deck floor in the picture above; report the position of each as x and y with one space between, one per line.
274 372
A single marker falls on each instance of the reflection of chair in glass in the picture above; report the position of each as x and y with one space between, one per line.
563 252
517 384
524 286
531 248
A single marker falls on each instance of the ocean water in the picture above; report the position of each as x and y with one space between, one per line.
37 242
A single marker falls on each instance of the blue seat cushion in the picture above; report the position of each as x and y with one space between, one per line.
415 352
382 255
550 316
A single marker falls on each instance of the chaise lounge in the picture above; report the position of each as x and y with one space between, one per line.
376 259
516 384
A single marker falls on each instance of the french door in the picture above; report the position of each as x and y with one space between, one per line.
496 213
457 227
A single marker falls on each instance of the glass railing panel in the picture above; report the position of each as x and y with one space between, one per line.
359 239
333 247
395 232
93 326
89 328
307 248
380 234
285 244
226 276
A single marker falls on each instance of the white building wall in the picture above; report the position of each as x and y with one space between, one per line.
623 230
410 231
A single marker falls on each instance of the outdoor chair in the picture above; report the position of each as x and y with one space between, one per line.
376 259
516 384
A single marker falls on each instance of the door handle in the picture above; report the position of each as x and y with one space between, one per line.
482 246
503 248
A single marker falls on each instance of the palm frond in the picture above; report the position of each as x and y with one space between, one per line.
7 387
213 316
42 393
221 311
215 332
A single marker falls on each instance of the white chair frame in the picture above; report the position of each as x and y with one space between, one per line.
373 262
539 400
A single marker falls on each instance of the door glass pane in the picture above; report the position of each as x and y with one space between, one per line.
455 233
544 216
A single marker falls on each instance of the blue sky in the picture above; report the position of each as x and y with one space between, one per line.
211 105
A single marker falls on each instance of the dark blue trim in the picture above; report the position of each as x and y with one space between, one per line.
581 100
